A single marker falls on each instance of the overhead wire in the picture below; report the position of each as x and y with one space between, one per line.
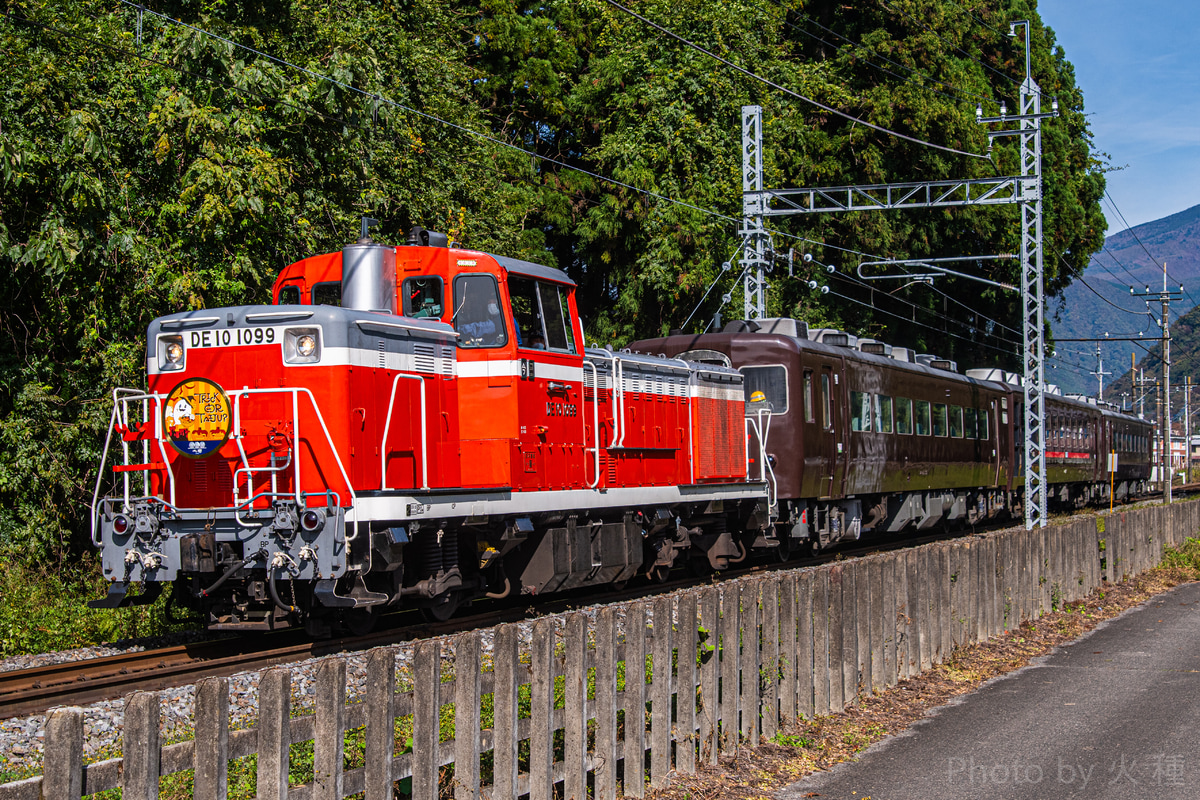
869 63
956 48
1136 238
434 118
961 94
787 91
934 289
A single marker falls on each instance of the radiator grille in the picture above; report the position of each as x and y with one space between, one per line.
721 438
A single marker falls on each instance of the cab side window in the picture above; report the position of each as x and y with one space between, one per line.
541 315
422 297
327 294
289 296
477 315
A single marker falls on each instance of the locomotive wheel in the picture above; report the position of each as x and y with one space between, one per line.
658 573
784 552
359 621
445 609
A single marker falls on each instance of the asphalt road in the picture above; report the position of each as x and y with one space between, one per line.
1113 716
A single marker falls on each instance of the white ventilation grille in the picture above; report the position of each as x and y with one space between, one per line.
425 357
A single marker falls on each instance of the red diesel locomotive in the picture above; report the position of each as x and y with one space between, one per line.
414 426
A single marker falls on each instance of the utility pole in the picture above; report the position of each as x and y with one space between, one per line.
1164 297
1141 398
1100 373
1187 427
1163 463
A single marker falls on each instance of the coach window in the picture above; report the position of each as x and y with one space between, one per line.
477 315
939 419
922 420
826 411
289 296
860 411
883 413
772 382
327 294
956 422
982 429
808 396
904 415
422 297
969 423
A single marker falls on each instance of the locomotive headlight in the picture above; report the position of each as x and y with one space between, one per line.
120 524
302 346
311 520
170 352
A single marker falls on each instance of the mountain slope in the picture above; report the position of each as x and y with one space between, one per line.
1101 303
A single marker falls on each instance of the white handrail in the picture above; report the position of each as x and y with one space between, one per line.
122 396
618 404
595 419
760 428
240 394
388 426
439 328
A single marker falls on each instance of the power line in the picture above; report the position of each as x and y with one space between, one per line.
961 94
788 91
855 281
955 47
1133 233
434 118
969 13
385 100
852 251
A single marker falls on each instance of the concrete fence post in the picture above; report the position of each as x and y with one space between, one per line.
467 692
379 735
329 731
822 662
606 714
541 712
685 686
660 692
140 747
210 756
62 770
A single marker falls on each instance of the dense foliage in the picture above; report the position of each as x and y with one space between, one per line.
181 170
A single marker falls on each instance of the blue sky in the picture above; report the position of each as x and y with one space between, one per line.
1138 66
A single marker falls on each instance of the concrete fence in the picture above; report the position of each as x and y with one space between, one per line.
613 701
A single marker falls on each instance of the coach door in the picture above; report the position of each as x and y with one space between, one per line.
834 448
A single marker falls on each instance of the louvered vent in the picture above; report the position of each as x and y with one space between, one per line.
425 357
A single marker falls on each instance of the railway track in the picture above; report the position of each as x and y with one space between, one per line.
36 690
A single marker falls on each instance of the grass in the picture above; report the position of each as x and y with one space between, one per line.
43 609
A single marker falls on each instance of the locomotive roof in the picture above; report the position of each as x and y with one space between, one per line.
532 270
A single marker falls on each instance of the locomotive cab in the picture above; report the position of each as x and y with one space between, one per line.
519 351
